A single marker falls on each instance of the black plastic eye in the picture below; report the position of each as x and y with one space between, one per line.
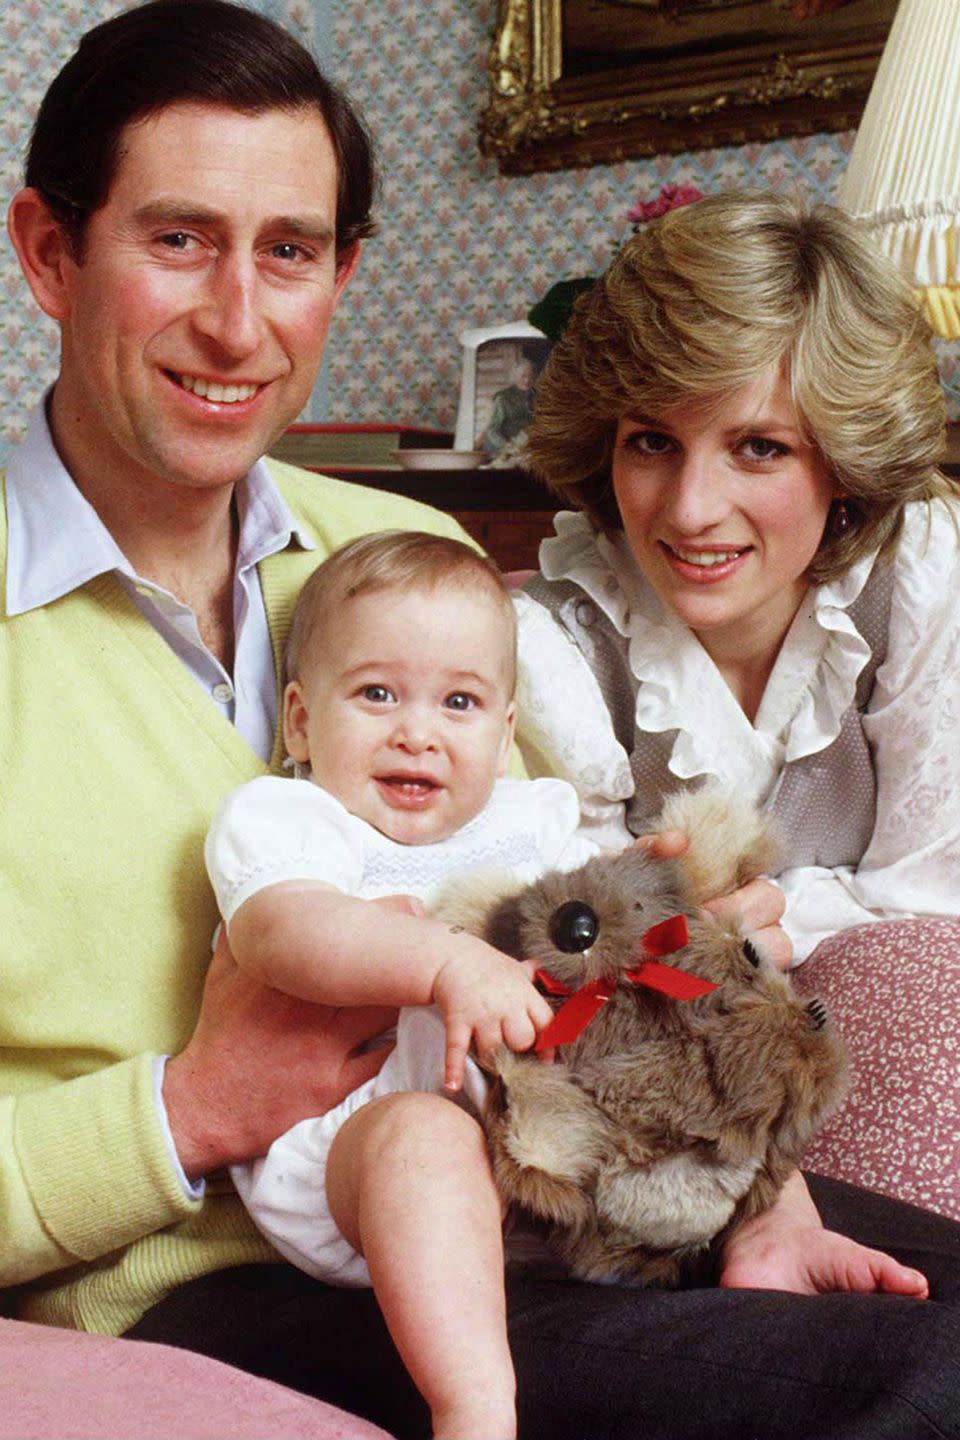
750 951
574 927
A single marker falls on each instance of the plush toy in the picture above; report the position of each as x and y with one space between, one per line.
688 1076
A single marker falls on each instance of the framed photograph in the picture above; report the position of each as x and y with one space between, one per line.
580 82
501 364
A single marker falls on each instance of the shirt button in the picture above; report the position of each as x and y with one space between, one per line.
222 692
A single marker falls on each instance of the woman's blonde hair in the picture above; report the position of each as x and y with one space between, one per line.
714 295
393 560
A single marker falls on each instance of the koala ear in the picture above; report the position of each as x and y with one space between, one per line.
468 901
503 929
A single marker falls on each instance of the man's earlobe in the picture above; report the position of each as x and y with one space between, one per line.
295 720
43 251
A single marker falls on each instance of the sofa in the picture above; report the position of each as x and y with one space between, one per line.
894 992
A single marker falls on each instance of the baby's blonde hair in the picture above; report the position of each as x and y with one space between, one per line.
720 292
408 560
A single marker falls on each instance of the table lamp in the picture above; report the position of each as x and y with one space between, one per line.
903 179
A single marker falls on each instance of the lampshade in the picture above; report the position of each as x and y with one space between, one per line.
903 179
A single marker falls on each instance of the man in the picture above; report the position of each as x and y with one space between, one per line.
195 202
196 196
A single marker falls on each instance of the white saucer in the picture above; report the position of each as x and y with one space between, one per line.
440 459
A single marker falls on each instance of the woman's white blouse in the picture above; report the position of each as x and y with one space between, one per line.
912 863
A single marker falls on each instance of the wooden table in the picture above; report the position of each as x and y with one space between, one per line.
506 511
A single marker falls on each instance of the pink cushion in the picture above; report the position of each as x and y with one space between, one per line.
61 1385
894 993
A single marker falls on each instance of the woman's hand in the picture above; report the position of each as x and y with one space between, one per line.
788 1248
758 906
759 909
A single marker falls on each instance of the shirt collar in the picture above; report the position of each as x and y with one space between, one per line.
57 541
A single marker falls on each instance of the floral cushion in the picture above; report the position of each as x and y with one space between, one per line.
893 989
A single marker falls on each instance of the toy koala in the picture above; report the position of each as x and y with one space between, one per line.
685 1087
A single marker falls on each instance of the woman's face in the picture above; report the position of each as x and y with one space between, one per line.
724 505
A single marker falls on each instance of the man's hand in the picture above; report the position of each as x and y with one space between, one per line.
758 906
488 998
788 1248
258 1062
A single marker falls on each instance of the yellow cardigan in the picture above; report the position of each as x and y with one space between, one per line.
113 761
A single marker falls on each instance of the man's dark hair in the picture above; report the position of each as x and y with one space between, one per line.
169 51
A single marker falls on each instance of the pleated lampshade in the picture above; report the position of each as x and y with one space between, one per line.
903 179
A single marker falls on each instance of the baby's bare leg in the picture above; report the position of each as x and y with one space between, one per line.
410 1187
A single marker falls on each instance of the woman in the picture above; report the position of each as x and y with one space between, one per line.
763 574
761 585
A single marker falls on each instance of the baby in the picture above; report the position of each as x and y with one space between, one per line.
399 711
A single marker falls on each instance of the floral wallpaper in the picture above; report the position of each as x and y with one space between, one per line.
458 246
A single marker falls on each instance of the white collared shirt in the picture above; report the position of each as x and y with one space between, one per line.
57 542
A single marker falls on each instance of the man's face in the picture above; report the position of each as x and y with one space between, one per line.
194 326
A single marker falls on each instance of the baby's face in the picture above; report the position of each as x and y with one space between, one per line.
405 714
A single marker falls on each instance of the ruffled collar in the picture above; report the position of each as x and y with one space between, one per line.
812 685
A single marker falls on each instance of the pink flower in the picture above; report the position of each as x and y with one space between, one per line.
671 197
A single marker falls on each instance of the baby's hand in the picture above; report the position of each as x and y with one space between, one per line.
488 998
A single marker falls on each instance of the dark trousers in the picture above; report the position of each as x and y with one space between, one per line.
597 1362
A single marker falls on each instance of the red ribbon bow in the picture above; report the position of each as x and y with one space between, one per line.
572 1018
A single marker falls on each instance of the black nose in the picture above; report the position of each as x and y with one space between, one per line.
574 927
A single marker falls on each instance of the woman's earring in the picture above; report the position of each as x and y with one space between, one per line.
841 518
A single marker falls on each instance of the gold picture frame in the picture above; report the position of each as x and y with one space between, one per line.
585 82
